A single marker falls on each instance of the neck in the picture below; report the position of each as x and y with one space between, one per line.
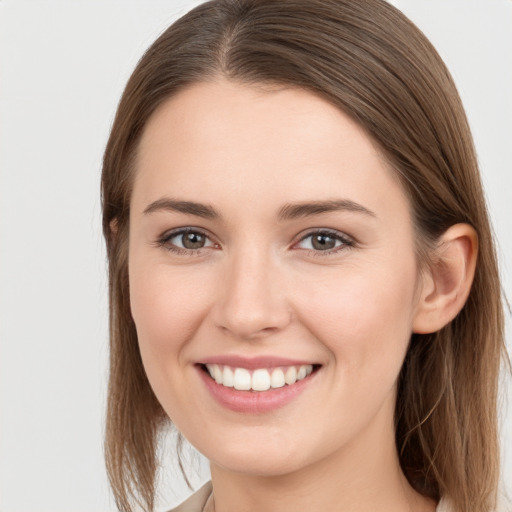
363 476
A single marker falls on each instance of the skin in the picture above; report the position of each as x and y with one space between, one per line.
258 287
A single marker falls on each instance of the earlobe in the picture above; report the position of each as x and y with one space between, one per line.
447 282
113 227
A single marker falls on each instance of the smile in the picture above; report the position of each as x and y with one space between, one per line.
256 386
259 379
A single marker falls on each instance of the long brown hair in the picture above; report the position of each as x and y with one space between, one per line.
368 59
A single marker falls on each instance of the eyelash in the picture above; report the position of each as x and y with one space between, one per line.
164 241
346 242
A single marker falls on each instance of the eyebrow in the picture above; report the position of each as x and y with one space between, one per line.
189 207
298 210
289 211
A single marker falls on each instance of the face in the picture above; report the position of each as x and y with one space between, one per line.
271 247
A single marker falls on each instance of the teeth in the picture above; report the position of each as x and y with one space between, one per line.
290 377
228 379
260 379
217 374
277 379
242 379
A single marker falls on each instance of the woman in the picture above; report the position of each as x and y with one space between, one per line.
302 272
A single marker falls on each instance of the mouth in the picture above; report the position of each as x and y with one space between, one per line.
258 379
258 389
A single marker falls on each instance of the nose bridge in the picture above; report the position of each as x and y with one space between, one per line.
253 303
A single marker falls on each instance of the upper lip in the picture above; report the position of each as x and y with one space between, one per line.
252 363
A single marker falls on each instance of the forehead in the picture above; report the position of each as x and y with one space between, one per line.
222 140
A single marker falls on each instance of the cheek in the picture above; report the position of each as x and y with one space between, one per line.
364 317
167 309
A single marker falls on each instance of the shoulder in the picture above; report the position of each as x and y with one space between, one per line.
196 502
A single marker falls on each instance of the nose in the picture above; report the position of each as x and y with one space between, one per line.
253 304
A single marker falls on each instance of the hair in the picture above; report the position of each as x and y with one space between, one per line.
366 58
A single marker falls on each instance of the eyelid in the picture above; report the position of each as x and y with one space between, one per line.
164 240
347 241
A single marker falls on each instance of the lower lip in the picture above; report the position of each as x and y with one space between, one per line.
255 402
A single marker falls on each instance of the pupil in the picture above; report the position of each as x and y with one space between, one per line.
323 242
193 241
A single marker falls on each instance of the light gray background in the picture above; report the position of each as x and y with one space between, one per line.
63 65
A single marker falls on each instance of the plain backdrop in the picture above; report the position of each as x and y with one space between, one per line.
63 65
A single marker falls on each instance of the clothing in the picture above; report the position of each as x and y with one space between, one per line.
198 500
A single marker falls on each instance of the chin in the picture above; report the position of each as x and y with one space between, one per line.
257 459
256 466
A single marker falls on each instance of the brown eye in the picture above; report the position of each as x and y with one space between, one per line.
323 242
193 240
186 239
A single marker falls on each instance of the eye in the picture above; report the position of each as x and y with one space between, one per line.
324 241
185 240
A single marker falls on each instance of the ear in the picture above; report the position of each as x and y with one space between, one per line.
113 227
445 285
